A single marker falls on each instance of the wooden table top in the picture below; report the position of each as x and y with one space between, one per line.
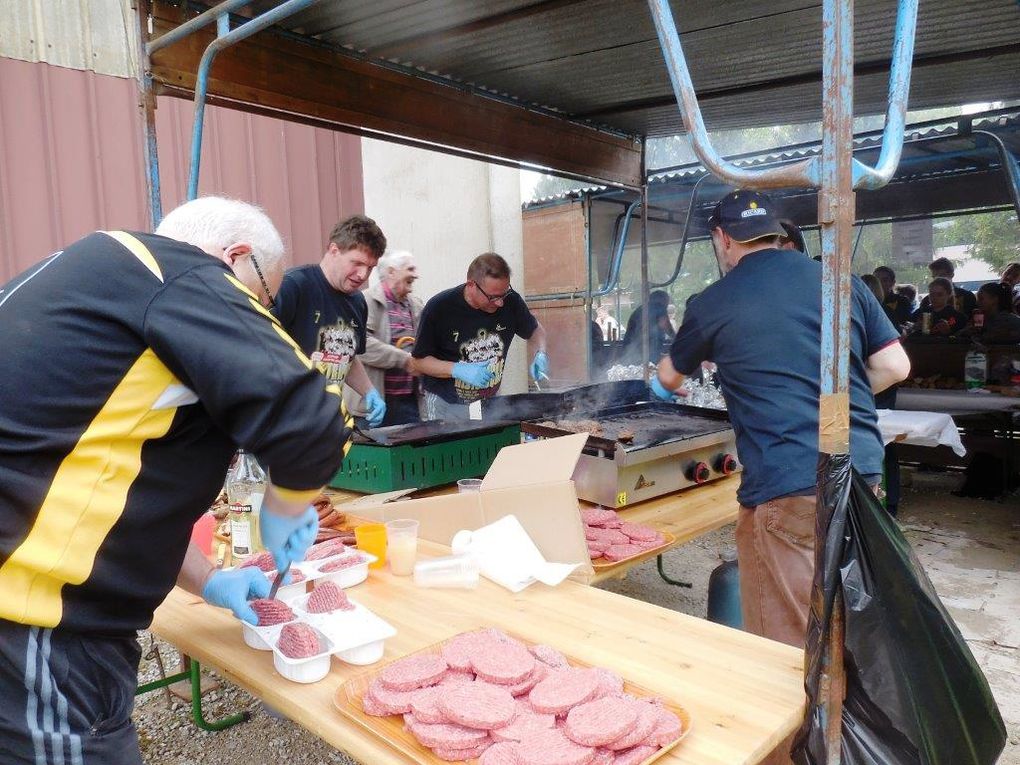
685 514
745 693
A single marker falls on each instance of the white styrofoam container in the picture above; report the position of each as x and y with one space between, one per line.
358 636
347 577
290 591
309 670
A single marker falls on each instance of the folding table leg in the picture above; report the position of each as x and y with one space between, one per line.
196 705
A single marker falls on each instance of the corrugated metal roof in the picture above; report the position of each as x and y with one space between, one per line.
752 61
95 35
71 162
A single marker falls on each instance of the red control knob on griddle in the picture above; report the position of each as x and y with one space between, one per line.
699 472
726 464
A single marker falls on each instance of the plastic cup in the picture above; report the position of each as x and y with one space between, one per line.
202 532
402 545
469 484
457 571
371 538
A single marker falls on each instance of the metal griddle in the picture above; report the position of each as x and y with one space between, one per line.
674 447
429 432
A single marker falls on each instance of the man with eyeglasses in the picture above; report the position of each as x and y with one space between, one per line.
121 403
322 307
464 335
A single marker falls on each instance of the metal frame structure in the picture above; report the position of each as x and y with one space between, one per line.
837 175
622 162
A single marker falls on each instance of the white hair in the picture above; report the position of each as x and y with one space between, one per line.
393 259
213 223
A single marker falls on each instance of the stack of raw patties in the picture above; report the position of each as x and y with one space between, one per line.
613 540
488 695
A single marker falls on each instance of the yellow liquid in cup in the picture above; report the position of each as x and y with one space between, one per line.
371 538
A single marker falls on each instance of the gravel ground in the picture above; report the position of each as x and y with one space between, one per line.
169 738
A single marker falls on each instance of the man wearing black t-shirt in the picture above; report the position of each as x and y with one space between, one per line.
464 335
322 307
897 307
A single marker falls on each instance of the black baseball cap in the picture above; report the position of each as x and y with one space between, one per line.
746 215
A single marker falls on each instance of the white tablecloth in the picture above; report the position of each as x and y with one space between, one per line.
920 429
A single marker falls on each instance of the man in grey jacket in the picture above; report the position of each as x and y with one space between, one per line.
392 324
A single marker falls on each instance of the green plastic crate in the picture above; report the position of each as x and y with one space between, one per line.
371 468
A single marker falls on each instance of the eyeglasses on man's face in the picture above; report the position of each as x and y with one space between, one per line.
493 298
262 280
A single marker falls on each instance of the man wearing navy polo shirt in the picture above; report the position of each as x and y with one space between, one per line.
761 325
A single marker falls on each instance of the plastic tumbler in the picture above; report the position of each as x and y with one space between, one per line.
469 484
457 571
371 538
402 545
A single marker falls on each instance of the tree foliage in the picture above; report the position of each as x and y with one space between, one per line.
993 238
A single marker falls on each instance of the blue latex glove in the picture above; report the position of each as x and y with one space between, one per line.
540 366
477 374
659 389
288 538
233 589
376 408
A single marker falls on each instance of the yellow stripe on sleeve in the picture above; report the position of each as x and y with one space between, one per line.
137 249
87 497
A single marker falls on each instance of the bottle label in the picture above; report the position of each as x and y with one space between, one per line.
240 530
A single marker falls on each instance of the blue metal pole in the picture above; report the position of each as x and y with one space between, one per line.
199 22
896 114
148 104
224 40
801 173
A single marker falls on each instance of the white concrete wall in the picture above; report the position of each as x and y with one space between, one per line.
447 210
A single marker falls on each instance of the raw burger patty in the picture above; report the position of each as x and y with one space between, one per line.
271 612
597 516
502 663
613 536
413 672
298 641
648 719
610 683
459 755
564 689
295 575
549 656
326 598
537 675
551 747
504 753
667 729
425 705
341 563
325 549
638 532
622 552
458 650
447 735
597 544
478 705
599 722
386 701
264 561
525 724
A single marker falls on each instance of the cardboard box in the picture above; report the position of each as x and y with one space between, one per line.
531 481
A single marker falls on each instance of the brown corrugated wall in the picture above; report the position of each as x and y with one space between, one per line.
71 163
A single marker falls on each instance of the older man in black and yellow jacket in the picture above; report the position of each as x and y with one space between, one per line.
133 367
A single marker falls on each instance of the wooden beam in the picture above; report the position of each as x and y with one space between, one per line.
282 76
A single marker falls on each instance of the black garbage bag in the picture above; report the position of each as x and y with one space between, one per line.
914 692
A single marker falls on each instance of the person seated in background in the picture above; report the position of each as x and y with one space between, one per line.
1000 324
660 331
962 300
792 237
909 291
392 324
609 326
945 319
897 307
671 313
1011 278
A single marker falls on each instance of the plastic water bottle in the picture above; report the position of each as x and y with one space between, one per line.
724 592
975 368
246 488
